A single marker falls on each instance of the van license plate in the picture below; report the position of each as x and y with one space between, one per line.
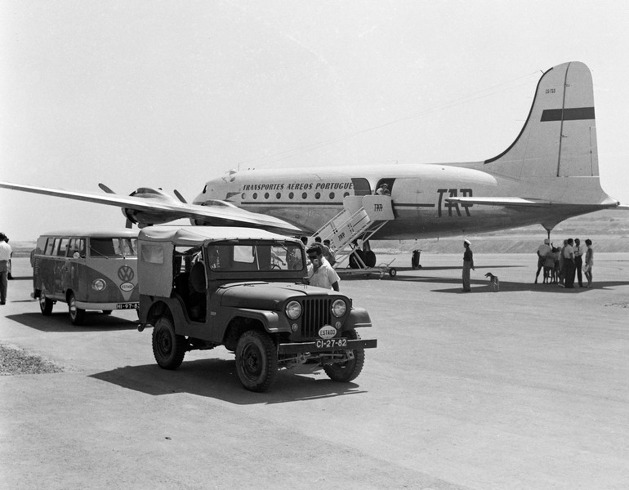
127 306
331 343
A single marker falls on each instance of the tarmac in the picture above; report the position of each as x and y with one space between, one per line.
525 388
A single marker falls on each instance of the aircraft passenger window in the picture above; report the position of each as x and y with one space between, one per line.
266 195
255 195
318 195
244 195
291 195
346 194
331 195
278 195
304 195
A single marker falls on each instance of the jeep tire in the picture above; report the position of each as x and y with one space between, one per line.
169 348
256 360
344 372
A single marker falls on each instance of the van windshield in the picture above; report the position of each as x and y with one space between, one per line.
113 247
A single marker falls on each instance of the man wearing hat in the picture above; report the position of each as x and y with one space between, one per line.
468 263
543 250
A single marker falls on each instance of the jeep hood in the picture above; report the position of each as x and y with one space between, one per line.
266 295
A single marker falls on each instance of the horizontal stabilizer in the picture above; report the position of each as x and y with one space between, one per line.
526 202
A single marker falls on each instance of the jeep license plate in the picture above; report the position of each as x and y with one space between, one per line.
331 343
127 306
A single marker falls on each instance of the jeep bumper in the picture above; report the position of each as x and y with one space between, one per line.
301 347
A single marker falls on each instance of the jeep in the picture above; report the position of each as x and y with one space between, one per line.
243 288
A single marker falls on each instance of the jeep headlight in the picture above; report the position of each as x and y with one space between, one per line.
339 307
99 284
293 310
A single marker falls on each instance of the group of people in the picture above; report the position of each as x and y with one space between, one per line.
562 265
5 258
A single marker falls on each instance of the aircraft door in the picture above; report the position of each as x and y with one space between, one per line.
361 186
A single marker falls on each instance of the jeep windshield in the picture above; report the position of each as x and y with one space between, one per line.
253 256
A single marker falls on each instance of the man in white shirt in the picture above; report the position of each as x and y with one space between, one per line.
320 272
543 250
5 256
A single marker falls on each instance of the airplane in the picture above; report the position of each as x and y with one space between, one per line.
548 174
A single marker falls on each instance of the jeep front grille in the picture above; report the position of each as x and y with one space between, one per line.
316 313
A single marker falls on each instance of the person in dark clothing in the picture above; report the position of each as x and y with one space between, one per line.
568 260
468 263
578 260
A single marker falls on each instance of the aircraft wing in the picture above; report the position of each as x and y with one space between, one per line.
162 209
526 202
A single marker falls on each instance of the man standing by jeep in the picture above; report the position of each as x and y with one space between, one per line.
320 272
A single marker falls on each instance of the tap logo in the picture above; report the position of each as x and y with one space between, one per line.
125 273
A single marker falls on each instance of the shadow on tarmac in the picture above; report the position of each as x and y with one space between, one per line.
60 322
217 378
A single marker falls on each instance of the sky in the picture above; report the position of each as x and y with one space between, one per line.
169 94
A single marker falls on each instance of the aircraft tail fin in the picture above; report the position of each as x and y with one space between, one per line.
559 136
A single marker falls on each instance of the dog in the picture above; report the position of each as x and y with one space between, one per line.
494 282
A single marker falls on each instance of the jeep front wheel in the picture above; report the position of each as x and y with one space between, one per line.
256 360
169 348
344 372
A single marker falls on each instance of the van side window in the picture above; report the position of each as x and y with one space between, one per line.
49 246
77 245
63 247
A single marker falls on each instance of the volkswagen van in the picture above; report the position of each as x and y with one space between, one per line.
242 288
86 270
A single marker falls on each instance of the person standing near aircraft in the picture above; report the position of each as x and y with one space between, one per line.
5 256
589 262
543 250
578 260
468 263
568 260
320 272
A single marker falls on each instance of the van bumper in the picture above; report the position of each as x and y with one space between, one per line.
85 305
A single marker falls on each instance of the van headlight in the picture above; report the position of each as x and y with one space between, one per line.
293 310
339 307
99 284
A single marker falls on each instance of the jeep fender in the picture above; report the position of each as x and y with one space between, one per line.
271 320
358 318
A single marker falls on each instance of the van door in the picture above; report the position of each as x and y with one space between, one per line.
61 267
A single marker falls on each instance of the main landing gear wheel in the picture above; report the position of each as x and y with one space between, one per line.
77 315
256 360
347 371
169 348
45 305
392 272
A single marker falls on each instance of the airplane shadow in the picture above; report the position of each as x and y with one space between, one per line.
60 322
505 286
217 378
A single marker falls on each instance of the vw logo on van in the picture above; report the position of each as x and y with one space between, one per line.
125 273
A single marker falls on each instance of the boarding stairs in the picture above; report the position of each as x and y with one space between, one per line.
361 217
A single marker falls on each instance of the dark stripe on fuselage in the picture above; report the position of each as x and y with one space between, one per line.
574 114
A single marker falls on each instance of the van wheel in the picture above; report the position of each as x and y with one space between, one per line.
169 348
344 372
77 315
45 305
256 360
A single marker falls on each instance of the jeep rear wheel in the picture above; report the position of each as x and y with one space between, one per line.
256 360
169 348
344 372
